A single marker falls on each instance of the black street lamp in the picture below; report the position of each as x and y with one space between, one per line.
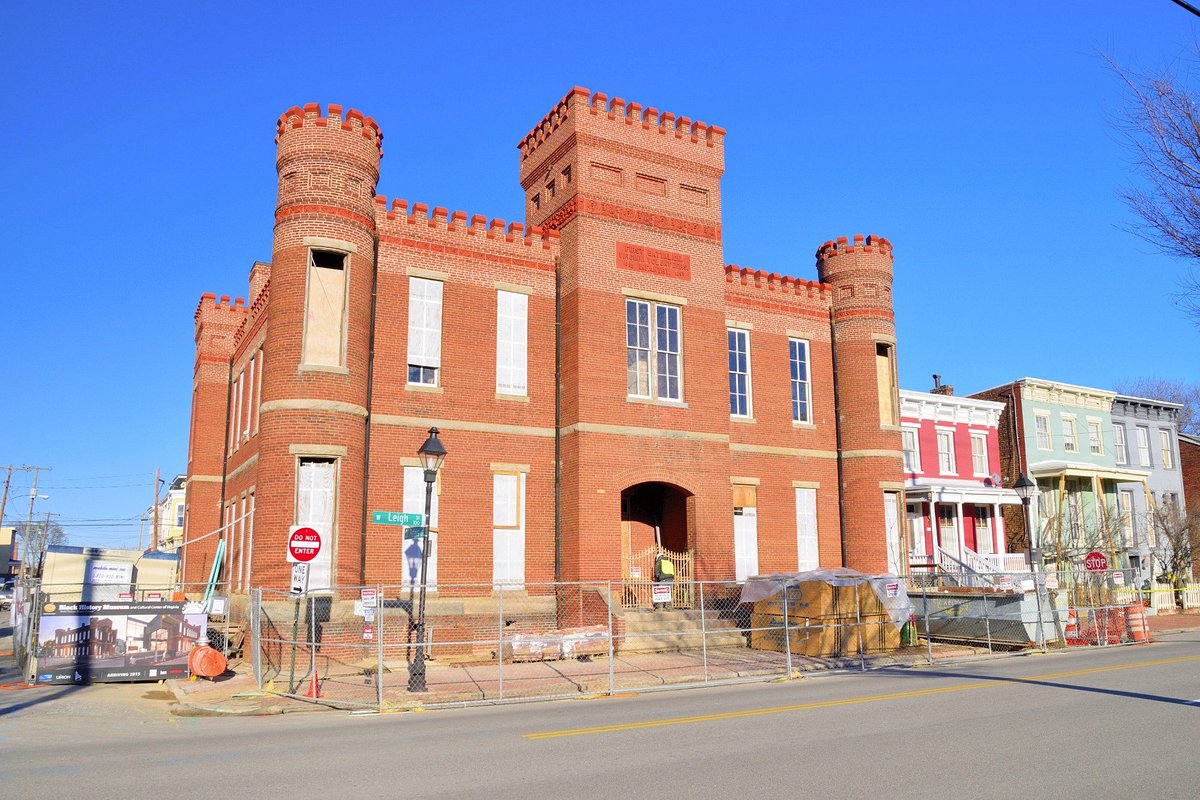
1027 490
432 453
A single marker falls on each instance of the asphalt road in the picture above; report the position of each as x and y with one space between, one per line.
1085 724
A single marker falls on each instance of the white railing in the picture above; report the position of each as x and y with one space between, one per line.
970 568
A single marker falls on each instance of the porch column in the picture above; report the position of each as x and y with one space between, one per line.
999 540
962 533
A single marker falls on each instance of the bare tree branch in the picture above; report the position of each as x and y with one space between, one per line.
1161 123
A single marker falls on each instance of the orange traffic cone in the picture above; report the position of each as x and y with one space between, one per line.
314 688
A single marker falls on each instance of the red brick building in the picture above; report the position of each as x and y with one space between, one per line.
713 407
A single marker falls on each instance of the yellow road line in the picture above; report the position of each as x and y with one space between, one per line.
874 698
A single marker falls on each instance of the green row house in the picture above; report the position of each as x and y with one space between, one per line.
1062 437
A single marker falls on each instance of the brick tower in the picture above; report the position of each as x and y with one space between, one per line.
316 351
635 194
217 323
864 345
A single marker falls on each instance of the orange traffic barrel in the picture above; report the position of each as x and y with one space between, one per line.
205 662
1135 621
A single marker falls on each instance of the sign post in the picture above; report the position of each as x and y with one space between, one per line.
304 544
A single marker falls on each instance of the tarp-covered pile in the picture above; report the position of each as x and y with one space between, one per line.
827 612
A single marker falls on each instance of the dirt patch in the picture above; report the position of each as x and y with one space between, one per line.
158 694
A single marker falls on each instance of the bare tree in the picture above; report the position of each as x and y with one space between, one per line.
1187 394
1177 540
1161 122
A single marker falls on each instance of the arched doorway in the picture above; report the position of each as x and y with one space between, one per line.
656 517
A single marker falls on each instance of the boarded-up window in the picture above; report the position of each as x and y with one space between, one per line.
325 309
512 348
508 534
807 550
885 381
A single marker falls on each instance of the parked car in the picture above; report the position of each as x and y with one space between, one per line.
6 596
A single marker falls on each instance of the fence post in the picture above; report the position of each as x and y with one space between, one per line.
500 638
862 657
987 620
611 648
256 634
928 636
703 633
380 632
1038 582
295 645
312 645
787 635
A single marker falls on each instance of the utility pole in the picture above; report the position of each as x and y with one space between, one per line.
43 543
154 530
7 481
28 534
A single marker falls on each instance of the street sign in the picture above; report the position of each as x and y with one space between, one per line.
396 518
417 532
304 544
299 578
1096 562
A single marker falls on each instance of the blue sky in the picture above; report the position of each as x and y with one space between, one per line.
139 172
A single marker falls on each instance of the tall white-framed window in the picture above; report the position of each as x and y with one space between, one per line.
249 400
740 403
745 531
1041 424
316 507
249 543
1143 445
233 415
912 449
1125 514
414 503
652 346
179 515
945 443
508 529
1120 451
1095 437
1164 448
512 343
801 387
424 331
325 310
979 456
807 544
238 404
1070 438
891 527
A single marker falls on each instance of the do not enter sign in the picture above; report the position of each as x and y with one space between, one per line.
304 544
1096 562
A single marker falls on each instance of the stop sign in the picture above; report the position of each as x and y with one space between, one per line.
304 544
1096 562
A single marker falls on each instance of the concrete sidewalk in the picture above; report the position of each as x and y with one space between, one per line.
341 686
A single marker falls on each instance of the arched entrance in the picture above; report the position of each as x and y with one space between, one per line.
655 517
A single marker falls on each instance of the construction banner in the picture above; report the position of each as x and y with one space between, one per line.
105 642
